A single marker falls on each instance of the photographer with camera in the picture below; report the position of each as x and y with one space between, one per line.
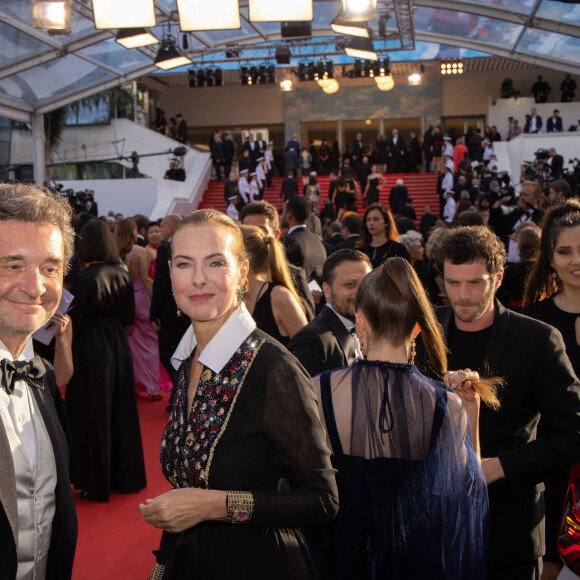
505 220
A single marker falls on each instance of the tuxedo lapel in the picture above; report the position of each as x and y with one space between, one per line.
8 487
338 329
497 339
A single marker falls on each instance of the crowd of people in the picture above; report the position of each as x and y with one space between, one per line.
356 391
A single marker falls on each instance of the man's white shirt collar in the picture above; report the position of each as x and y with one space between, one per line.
293 228
222 346
27 353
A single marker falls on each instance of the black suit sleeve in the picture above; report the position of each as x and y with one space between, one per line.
306 346
557 395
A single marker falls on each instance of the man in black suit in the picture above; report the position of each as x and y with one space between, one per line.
335 237
38 523
303 248
181 128
506 224
357 151
263 215
556 164
289 186
142 223
291 160
396 152
229 152
399 196
539 384
169 326
217 153
91 206
351 226
327 342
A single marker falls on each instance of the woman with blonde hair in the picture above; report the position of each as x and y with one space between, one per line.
243 447
271 297
413 494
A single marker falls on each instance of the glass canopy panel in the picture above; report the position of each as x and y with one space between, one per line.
517 6
221 37
19 9
550 45
16 46
560 12
169 4
112 54
465 26
54 80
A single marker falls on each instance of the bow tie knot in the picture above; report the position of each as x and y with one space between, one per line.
32 372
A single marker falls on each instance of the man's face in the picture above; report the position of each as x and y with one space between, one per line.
556 196
527 196
359 136
340 294
31 275
262 222
470 289
395 133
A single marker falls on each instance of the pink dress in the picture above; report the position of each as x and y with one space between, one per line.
143 341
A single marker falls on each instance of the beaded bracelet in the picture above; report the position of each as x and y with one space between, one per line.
239 506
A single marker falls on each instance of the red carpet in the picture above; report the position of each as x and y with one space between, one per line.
114 540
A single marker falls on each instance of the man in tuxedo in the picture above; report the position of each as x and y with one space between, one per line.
229 152
396 152
263 215
335 237
38 524
357 151
351 226
181 128
163 315
327 342
289 186
303 248
540 384
217 153
554 123
91 206
506 224
398 196
261 145
556 163
533 122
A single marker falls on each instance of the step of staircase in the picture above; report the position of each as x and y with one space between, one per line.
422 189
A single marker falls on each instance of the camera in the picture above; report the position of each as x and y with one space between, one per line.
541 154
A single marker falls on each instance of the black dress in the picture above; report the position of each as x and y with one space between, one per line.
264 316
106 449
390 249
413 498
253 427
373 192
548 312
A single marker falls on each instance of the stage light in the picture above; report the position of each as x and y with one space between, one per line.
330 86
385 83
414 79
54 15
342 26
278 11
204 15
451 67
358 10
286 85
169 56
361 48
135 37
124 14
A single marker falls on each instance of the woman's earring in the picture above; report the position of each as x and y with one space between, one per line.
554 275
178 311
413 352
240 297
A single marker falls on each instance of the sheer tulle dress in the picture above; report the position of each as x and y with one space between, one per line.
413 498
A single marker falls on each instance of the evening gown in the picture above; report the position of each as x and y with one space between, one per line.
264 315
390 249
106 450
252 426
143 340
373 192
555 493
413 497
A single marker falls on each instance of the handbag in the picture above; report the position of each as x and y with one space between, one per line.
569 530
164 558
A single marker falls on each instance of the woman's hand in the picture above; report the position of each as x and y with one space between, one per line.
181 509
460 382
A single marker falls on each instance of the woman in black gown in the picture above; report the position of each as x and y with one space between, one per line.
373 189
106 450
243 447
379 238
552 295
413 494
271 297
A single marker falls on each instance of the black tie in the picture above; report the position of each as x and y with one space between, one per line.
32 372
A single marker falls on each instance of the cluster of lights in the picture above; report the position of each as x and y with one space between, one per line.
258 75
204 77
451 67
315 71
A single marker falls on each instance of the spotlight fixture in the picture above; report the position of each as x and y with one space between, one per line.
358 10
204 15
286 85
169 56
342 26
451 67
385 83
204 77
135 37
268 11
125 14
361 48
54 15
330 86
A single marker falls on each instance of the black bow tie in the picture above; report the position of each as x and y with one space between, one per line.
32 372
352 330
